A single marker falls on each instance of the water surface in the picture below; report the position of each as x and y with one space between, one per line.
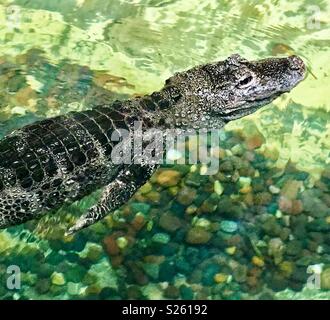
274 183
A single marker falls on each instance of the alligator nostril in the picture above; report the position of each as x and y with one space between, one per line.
296 63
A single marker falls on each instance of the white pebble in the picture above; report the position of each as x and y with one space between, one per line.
274 190
278 214
203 170
122 242
193 168
218 187
319 249
34 83
244 181
202 223
18 110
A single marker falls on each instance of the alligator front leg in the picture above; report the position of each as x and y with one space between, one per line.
129 180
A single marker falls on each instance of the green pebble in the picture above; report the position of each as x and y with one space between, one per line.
228 226
218 187
73 288
58 279
152 270
161 237
42 286
122 242
140 207
186 292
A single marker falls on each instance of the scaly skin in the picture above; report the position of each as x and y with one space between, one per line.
62 159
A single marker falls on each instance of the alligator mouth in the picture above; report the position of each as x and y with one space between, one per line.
264 99
249 106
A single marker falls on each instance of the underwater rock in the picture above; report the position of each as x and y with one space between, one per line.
209 273
73 288
220 278
137 274
240 273
244 181
167 271
108 293
140 207
154 259
45 270
111 245
160 237
290 189
226 166
210 204
42 286
169 222
153 196
274 190
313 205
318 225
116 261
75 273
299 275
296 207
171 292
122 242
186 292
193 179
237 150
202 223
134 293
277 282
192 209
228 226
93 289
152 270
290 206
89 279
325 279
94 252
252 136
138 221
271 227
258 185
246 189
57 279
275 249
257 261
146 188
186 196
168 178
183 265
262 198
218 187
198 235
286 268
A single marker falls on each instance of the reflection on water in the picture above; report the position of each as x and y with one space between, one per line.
251 231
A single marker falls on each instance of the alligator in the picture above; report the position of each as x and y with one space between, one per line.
59 160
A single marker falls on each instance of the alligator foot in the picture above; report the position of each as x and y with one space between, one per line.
129 180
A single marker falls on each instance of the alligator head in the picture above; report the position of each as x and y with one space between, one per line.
215 93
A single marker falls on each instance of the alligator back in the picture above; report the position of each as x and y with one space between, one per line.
56 160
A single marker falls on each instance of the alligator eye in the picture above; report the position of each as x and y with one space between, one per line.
245 81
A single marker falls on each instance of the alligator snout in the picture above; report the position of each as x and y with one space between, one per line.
297 64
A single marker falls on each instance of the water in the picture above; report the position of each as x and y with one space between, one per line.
257 229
